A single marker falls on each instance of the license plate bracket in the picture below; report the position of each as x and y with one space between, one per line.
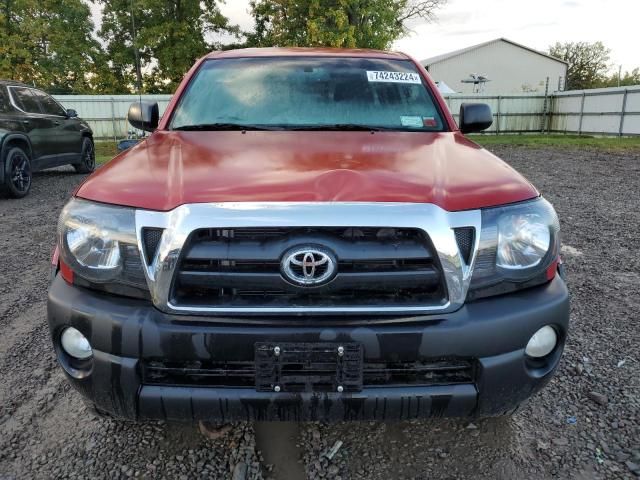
308 367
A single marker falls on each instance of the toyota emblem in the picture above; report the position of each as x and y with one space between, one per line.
308 266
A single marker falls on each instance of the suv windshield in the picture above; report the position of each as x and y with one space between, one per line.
304 93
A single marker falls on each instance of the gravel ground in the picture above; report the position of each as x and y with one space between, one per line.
585 424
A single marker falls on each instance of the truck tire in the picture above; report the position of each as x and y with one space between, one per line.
88 157
17 173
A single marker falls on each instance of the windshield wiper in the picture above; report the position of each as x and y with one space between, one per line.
354 127
224 127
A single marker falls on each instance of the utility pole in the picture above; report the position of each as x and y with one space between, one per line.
619 74
7 17
135 50
543 118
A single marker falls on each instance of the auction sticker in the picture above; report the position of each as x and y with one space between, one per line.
415 122
393 77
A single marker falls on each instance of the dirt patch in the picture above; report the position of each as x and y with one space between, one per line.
585 424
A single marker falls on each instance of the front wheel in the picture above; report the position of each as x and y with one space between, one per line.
88 157
17 173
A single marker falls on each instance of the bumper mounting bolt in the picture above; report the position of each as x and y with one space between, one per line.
276 351
340 351
276 388
340 389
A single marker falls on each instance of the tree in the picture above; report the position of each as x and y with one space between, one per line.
170 35
588 63
48 43
15 58
629 78
626 80
335 23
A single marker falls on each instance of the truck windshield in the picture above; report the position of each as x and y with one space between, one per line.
303 93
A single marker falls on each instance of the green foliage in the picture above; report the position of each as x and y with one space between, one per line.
623 80
170 36
589 66
588 63
48 43
335 23
51 43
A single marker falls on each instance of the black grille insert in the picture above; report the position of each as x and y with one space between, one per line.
151 241
319 375
229 268
435 372
196 373
465 237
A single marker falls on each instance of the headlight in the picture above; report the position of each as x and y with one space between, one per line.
98 242
92 247
517 245
523 240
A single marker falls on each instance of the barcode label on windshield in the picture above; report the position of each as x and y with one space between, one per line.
393 77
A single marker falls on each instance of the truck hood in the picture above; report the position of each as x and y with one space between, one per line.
172 168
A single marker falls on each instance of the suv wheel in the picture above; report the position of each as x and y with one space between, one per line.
17 173
88 157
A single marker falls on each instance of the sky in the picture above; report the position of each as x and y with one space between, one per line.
534 23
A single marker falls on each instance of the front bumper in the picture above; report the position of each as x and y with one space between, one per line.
124 333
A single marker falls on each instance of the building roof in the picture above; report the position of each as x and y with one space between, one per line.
455 53
305 52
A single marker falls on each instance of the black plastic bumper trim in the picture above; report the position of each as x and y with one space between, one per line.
492 331
220 404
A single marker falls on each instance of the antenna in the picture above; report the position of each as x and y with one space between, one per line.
477 80
136 53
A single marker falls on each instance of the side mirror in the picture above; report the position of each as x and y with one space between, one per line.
475 117
71 113
144 116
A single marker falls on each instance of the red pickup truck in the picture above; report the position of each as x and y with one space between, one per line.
307 234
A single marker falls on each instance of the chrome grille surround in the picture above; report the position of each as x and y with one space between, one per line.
180 222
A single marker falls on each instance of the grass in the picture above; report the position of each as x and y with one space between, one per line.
105 151
562 141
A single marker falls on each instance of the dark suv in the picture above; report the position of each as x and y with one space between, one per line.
36 133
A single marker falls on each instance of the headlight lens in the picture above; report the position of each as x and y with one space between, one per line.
517 244
523 240
99 243
92 247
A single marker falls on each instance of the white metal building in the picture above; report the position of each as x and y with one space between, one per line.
510 68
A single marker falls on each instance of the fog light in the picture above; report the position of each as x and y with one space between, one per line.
542 343
75 344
